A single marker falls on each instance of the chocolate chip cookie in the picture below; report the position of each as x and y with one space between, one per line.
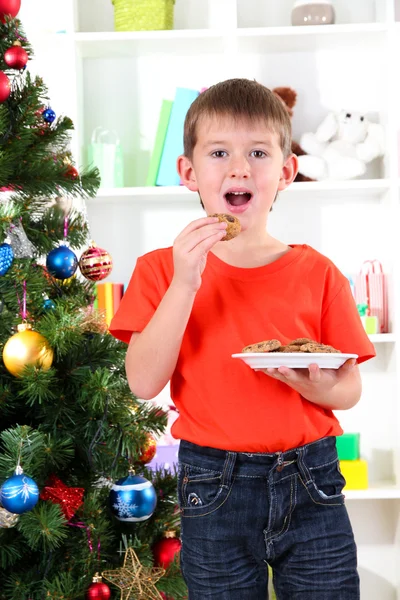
233 225
267 346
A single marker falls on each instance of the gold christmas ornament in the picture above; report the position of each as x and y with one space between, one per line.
26 348
134 580
7 519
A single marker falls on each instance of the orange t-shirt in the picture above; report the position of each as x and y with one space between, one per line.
222 402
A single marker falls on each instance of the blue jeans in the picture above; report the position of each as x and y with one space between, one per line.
241 512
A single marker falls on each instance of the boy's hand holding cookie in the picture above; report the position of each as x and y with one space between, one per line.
335 389
191 248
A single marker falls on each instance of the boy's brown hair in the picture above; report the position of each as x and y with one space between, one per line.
240 99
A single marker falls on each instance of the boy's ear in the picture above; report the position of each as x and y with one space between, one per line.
289 172
186 173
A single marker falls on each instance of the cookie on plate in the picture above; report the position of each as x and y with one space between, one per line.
289 348
315 347
233 225
266 346
301 342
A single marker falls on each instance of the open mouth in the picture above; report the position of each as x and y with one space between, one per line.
238 198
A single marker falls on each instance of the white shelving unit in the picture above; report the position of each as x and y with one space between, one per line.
117 80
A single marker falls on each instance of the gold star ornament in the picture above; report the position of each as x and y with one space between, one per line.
135 581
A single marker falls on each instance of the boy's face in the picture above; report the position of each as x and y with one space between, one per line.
237 167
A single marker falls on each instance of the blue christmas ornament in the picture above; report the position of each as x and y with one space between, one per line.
62 262
48 115
133 498
19 493
6 258
48 304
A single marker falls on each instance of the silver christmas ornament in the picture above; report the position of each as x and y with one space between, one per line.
22 247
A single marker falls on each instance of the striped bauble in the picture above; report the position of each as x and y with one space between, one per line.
95 263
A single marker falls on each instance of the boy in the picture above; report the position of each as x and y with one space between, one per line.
258 476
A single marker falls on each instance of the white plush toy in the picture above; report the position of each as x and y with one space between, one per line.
341 147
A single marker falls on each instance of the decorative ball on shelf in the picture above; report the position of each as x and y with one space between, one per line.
19 493
26 348
98 590
166 549
148 450
6 258
72 173
9 8
16 57
62 262
5 87
95 263
7 519
48 305
49 115
133 498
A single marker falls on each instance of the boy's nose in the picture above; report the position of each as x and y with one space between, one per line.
239 167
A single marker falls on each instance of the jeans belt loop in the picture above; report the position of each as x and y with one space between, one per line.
302 465
230 461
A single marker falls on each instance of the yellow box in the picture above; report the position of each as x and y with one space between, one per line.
355 473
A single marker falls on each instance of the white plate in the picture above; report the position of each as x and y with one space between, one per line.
293 360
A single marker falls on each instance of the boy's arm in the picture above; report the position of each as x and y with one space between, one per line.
334 389
152 354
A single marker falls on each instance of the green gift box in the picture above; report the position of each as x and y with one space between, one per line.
348 446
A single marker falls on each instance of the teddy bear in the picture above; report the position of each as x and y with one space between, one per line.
288 97
342 146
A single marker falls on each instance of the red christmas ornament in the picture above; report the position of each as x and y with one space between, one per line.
9 8
16 57
165 550
98 590
95 263
71 173
70 499
148 450
5 87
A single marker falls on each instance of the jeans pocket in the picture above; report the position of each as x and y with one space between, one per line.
200 491
326 484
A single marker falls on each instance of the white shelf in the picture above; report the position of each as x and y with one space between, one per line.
367 188
121 44
379 338
264 39
382 492
309 39
133 194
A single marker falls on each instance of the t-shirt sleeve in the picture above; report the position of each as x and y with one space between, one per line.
342 327
138 304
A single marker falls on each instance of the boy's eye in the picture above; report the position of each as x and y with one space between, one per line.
258 153
219 153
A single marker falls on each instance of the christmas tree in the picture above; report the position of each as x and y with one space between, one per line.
76 497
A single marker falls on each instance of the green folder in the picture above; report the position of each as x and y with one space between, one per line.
162 128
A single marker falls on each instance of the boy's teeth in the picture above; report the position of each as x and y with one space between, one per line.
238 198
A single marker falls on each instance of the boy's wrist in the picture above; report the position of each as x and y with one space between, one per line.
180 287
